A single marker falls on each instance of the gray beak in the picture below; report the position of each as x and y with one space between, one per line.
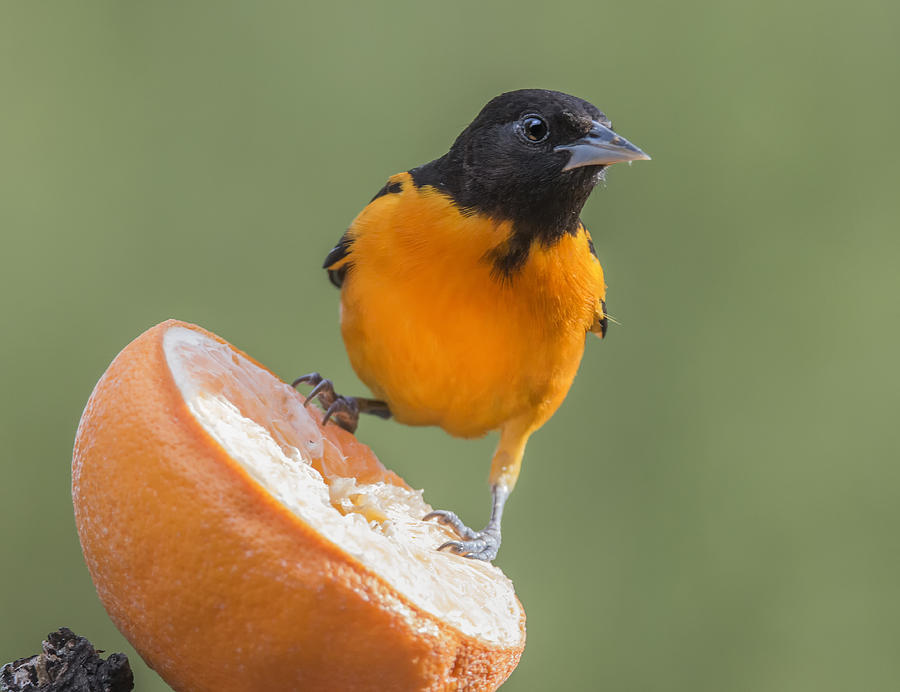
600 147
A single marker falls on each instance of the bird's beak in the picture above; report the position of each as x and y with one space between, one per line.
600 147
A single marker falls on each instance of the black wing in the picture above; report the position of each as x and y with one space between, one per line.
337 262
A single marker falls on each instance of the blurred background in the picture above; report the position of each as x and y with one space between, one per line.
715 507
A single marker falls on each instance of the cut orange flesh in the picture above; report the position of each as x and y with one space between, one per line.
240 545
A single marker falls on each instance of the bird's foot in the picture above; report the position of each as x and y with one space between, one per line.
478 545
344 410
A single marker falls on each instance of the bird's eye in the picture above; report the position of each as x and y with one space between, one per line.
535 128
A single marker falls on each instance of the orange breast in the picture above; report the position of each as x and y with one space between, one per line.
433 333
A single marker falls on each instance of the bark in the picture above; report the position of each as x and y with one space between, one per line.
68 663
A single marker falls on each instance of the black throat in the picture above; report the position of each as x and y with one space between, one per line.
542 207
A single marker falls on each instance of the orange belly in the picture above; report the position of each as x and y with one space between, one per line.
433 333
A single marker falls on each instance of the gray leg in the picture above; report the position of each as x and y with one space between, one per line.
478 545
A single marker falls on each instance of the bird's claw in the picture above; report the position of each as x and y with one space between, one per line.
453 521
322 389
345 413
478 545
312 378
343 409
483 547
316 380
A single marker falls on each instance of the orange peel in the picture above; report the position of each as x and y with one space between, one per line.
239 544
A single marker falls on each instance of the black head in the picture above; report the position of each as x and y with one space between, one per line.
531 157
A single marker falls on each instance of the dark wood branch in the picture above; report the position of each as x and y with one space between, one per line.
68 663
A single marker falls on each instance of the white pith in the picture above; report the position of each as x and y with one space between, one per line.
273 437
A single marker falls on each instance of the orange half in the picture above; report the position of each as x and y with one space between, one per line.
240 545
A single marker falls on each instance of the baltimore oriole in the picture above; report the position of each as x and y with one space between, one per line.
468 284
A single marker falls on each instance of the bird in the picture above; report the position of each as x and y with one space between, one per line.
469 285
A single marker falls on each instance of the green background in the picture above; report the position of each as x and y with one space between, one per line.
715 506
